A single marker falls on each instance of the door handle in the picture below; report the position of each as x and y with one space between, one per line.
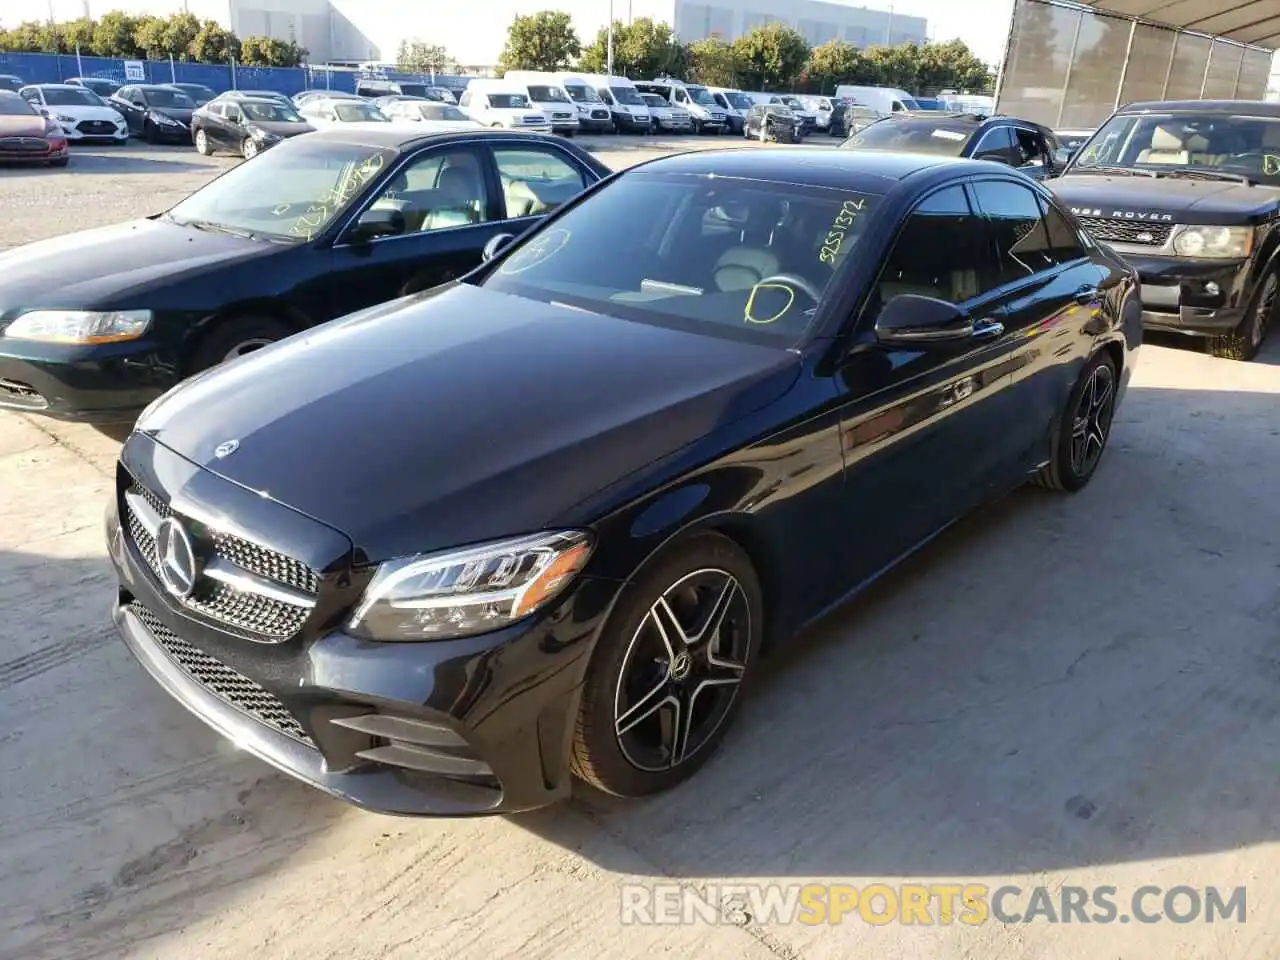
1086 294
986 328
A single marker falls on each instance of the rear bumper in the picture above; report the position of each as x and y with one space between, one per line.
1195 297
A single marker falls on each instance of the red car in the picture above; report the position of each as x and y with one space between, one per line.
27 136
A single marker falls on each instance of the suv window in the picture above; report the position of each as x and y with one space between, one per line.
1021 235
944 251
998 144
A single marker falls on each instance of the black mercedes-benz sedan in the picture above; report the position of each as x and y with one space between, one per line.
442 555
312 229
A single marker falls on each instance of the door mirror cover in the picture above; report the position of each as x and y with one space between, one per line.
378 222
496 244
912 320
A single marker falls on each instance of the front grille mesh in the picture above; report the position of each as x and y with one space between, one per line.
1127 231
226 684
258 617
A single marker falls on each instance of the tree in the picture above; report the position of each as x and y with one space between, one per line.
115 36
151 37
836 62
643 48
213 44
270 52
540 41
771 56
713 62
950 65
180 30
896 66
78 33
418 56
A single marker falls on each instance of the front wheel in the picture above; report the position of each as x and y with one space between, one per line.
149 132
1084 430
666 676
249 148
235 338
765 130
1244 341
202 144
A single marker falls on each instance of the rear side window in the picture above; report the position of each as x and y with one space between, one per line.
1018 225
1065 244
998 144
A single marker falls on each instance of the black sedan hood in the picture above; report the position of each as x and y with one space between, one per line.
461 415
1166 199
113 266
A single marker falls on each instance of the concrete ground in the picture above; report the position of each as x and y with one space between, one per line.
1062 691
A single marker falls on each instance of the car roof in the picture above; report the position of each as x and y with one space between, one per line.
1258 108
53 86
820 167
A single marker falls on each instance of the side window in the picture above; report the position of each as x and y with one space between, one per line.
536 180
233 113
32 96
944 251
437 191
1065 244
898 107
217 109
998 144
1021 236
1031 149
465 99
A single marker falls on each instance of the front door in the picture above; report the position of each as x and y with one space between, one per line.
448 198
923 429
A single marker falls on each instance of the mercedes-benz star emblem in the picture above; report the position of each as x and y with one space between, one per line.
175 558
226 449
681 664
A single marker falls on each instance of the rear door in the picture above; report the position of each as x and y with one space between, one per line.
535 178
923 430
1050 292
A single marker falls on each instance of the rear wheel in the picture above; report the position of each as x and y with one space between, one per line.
1084 429
1244 341
665 679
236 338
202 144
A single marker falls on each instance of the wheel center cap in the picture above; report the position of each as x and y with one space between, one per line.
681 664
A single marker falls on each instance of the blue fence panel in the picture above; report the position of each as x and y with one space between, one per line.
54 68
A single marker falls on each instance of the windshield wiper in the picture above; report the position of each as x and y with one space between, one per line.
1197 174
211 227
1125 171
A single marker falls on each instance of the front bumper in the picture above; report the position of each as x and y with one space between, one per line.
595 124
75 134
627 121
178 134
675 125
481 725
1195 297
89 383
55 150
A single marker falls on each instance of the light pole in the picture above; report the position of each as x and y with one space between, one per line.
609 54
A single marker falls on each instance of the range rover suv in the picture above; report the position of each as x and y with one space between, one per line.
1189 193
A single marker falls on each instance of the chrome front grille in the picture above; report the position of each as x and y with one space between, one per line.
226 684
259 593
1127 231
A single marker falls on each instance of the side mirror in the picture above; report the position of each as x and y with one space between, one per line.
495 245
911 320
378 222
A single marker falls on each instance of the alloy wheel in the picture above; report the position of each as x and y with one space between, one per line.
249 149
682 669
202 142
246 346
1091 423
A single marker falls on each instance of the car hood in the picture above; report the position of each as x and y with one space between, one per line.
283 128
86 112
88 269
22 127
460 415
1165 199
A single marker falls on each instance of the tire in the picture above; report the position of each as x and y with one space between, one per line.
652 695
765 128
1067 471
697 127
202 143
236 337
1243 342
149 132
249 148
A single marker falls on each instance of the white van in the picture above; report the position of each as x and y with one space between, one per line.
593 114
547 97
620 95
697 99
496 103
884 99
736 105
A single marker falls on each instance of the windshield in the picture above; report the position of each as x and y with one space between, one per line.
104 88
701 95
739 100
581 93
747 259
413 89
795 104
10 83
16 107
270 113
71 97
508 101
440 111
291 192
653 100
627 96
912 136
547 95
1198 143
159 97
196 91
354 111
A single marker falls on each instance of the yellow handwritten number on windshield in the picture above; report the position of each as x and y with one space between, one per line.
840 227
749 314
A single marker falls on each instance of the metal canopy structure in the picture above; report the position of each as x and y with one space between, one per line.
1255 22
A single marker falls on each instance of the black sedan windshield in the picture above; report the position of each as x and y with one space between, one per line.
1193 143
738 258
159 97
71 97
270 113
912 136
291 192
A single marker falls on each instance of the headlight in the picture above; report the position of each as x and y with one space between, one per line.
167 121
63 118
468 591
80 326
258 133
1221 242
